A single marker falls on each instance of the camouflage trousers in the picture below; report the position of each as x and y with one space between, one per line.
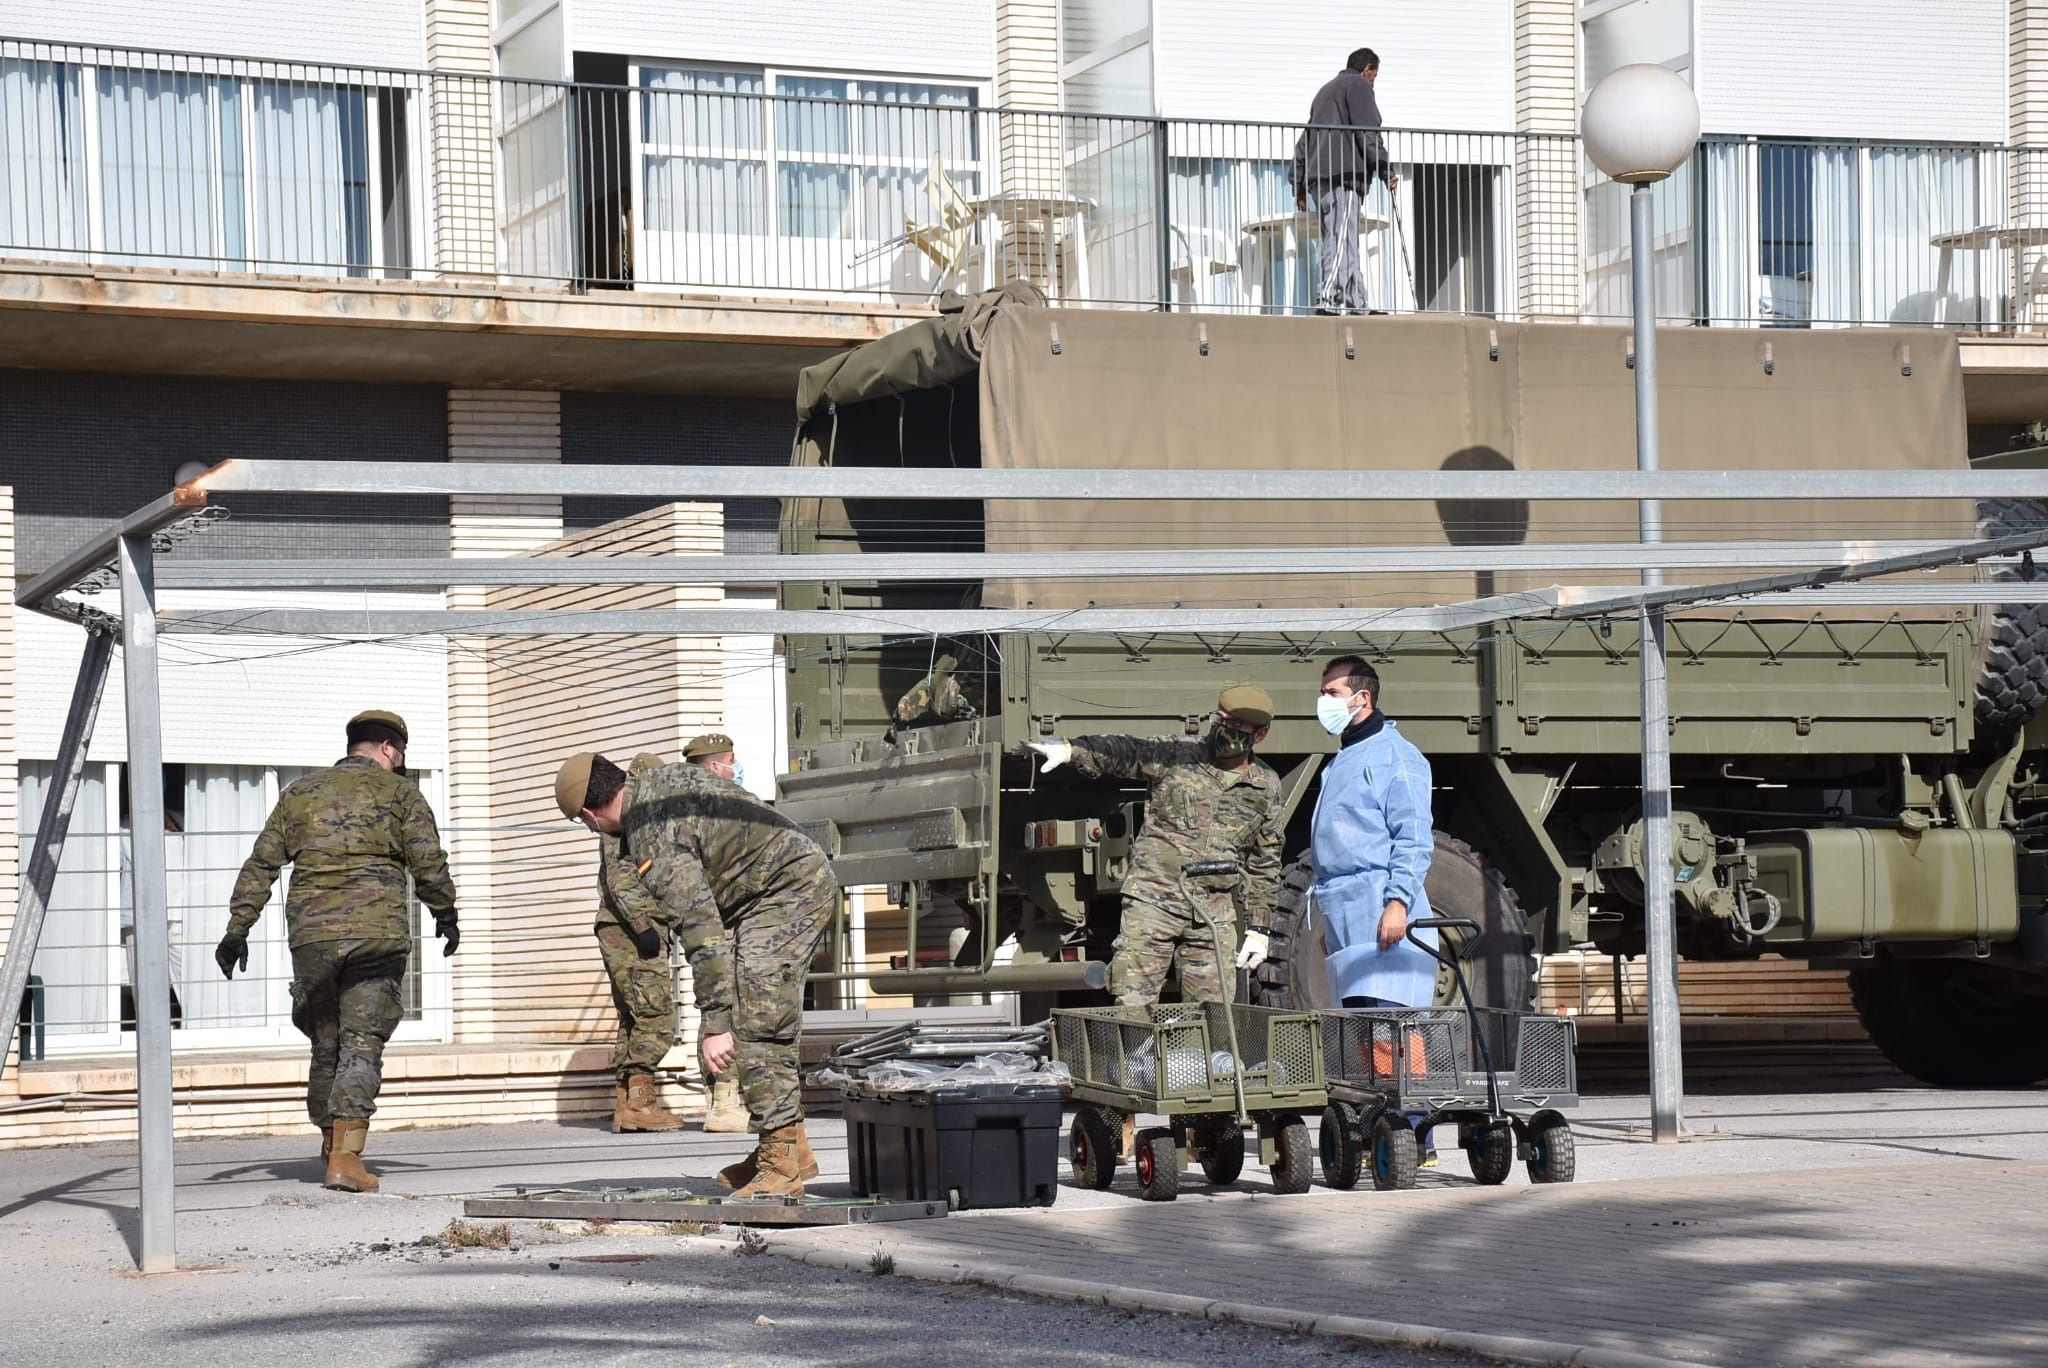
773 946
347 998
643 991
1155 937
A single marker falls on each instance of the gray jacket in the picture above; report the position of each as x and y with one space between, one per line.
1342 144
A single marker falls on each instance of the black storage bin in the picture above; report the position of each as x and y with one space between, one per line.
968 1145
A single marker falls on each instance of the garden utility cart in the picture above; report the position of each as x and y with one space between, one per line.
1500 1077
1211 1069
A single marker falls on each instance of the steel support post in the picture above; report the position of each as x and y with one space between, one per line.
148 896
1667 1084
55 823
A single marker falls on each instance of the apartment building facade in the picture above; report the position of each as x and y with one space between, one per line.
595 231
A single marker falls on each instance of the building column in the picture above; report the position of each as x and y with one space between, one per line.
2028 131
1029 138
461 145
498 426
1549 264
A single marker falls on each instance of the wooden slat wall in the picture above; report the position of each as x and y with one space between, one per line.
547 698
1744 988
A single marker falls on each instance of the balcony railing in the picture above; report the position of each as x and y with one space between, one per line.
695 180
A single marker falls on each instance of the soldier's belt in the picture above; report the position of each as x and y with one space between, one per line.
1204 867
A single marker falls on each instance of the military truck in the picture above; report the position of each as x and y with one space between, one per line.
1856 788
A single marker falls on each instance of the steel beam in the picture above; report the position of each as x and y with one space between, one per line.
55 823
1143 486
323 622
1961 553
100 550
1051 565
147 894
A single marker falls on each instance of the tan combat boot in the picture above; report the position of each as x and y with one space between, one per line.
639 1109
781 1172
728 1111
345 1171
326 1142
738 1175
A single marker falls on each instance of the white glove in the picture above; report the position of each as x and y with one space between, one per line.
1052 754
1252 954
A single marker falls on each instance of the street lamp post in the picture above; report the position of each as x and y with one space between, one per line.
1640 124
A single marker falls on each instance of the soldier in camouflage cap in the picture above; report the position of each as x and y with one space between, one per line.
1212 803
633 930
718 857
727 1115
936 698
352 834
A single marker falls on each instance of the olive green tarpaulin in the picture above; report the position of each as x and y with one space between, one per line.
1125 389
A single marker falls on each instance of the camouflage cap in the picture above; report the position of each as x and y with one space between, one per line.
645 761
382 719
1248 703
572 782
944 665
710 743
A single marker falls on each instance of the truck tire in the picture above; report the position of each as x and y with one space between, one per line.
1501 969
2012 651
1954 1023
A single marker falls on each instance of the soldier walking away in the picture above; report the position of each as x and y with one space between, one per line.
1209 850
1336 159
935 699
352 834
716 855
633 931
713 753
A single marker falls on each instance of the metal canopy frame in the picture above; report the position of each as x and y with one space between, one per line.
125 552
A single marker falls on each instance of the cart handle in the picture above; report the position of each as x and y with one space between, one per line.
1436 952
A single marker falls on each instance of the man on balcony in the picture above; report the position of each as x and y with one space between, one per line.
1336 159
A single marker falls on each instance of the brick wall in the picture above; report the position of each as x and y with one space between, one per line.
1547 194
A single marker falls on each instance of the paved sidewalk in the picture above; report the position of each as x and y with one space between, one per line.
1900 1228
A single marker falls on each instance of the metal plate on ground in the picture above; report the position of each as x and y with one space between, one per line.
677 1204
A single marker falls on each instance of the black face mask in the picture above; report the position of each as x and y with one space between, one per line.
1227 743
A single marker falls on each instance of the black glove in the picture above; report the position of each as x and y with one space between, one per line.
232 953
647 941
447 930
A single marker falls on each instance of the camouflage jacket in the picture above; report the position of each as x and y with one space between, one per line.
622 899
1196 812
351 834
714 855
937 697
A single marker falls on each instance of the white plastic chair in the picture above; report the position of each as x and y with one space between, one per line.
1200 255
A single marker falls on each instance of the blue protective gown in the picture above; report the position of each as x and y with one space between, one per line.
1370 840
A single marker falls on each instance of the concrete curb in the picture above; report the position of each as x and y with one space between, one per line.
1396 1334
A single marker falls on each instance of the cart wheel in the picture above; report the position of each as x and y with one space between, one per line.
1396 1154
1295 1165
1091 1148
1342 1145
1553 1157
1223 1153
1491 1148
1158 1166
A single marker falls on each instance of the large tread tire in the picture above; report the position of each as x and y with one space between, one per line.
2012 652
1501 967
1955 1023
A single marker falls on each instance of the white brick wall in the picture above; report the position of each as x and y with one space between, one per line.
2028 49
458 36
1547 196
356 32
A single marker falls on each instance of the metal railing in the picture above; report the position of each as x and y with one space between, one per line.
688 179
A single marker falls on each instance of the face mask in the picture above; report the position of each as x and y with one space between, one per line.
1334 713
739 774
1228 743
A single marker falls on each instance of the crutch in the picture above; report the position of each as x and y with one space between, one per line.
1223 960
1401 240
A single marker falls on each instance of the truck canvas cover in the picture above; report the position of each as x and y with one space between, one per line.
1084 389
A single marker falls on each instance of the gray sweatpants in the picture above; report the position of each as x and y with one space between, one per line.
1343 289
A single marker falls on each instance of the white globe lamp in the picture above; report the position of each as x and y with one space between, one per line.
1640 123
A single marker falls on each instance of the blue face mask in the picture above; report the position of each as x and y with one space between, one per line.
739 774
1334 713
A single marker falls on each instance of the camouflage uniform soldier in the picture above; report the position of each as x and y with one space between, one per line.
713 753
716 855
630 935
351 834
1212 803
936 698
